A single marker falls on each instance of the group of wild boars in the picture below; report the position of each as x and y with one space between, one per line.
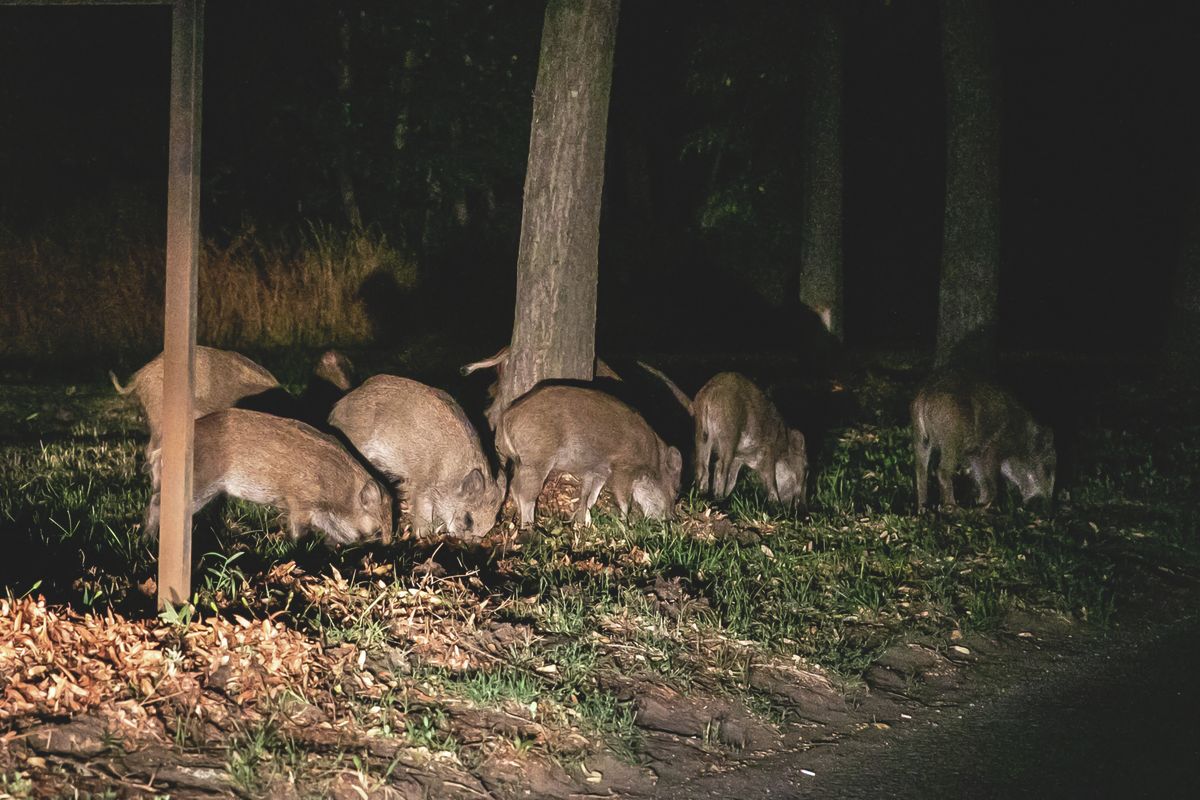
420 438
593 436
966 421
267 458
225 379
737 425
412 433
286 464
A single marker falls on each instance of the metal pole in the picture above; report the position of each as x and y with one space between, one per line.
179 334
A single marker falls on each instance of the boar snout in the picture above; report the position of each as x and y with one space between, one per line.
674 470
343 526
656 496
477 506
336 369
791 473
377 508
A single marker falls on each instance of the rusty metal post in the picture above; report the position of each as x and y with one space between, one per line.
179 334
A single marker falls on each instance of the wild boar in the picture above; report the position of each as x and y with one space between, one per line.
596 438
499 361
975 423
740 426
285 464
222 378
332 377
335 369
419 437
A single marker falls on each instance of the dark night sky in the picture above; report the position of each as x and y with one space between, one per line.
1099 137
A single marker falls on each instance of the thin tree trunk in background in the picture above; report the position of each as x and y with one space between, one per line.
462 212
1183 323
554 327
345 83
821 227
968 296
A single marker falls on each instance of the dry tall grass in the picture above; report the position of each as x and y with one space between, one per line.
95 290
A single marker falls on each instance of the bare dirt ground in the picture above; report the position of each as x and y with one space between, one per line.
1055 714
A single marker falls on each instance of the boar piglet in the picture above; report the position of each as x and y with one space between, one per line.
499 361
222 378
419 437
594 437
975 423
285 464
739 425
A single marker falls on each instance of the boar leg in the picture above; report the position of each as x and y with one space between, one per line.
422 514
295 521
921 455
767 476
202 494
703 459
526 485
150 522
947 462
983 470
726 477
621 486
589 490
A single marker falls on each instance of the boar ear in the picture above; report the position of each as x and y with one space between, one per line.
370 496
473 483
796 442
674 459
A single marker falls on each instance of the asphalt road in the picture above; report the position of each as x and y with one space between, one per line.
1112 720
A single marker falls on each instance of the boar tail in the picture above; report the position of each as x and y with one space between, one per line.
504 446
500 357
683 399
121 390
920 429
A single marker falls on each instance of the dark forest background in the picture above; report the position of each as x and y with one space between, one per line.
423 109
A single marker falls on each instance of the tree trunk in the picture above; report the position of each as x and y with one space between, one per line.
554 328
968 296
821 227
342 166
1183 322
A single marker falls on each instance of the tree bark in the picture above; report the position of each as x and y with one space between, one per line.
554 327
821 226
968 296
345 78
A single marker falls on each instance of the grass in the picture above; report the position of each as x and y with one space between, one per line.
694 603
63 295
260 752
